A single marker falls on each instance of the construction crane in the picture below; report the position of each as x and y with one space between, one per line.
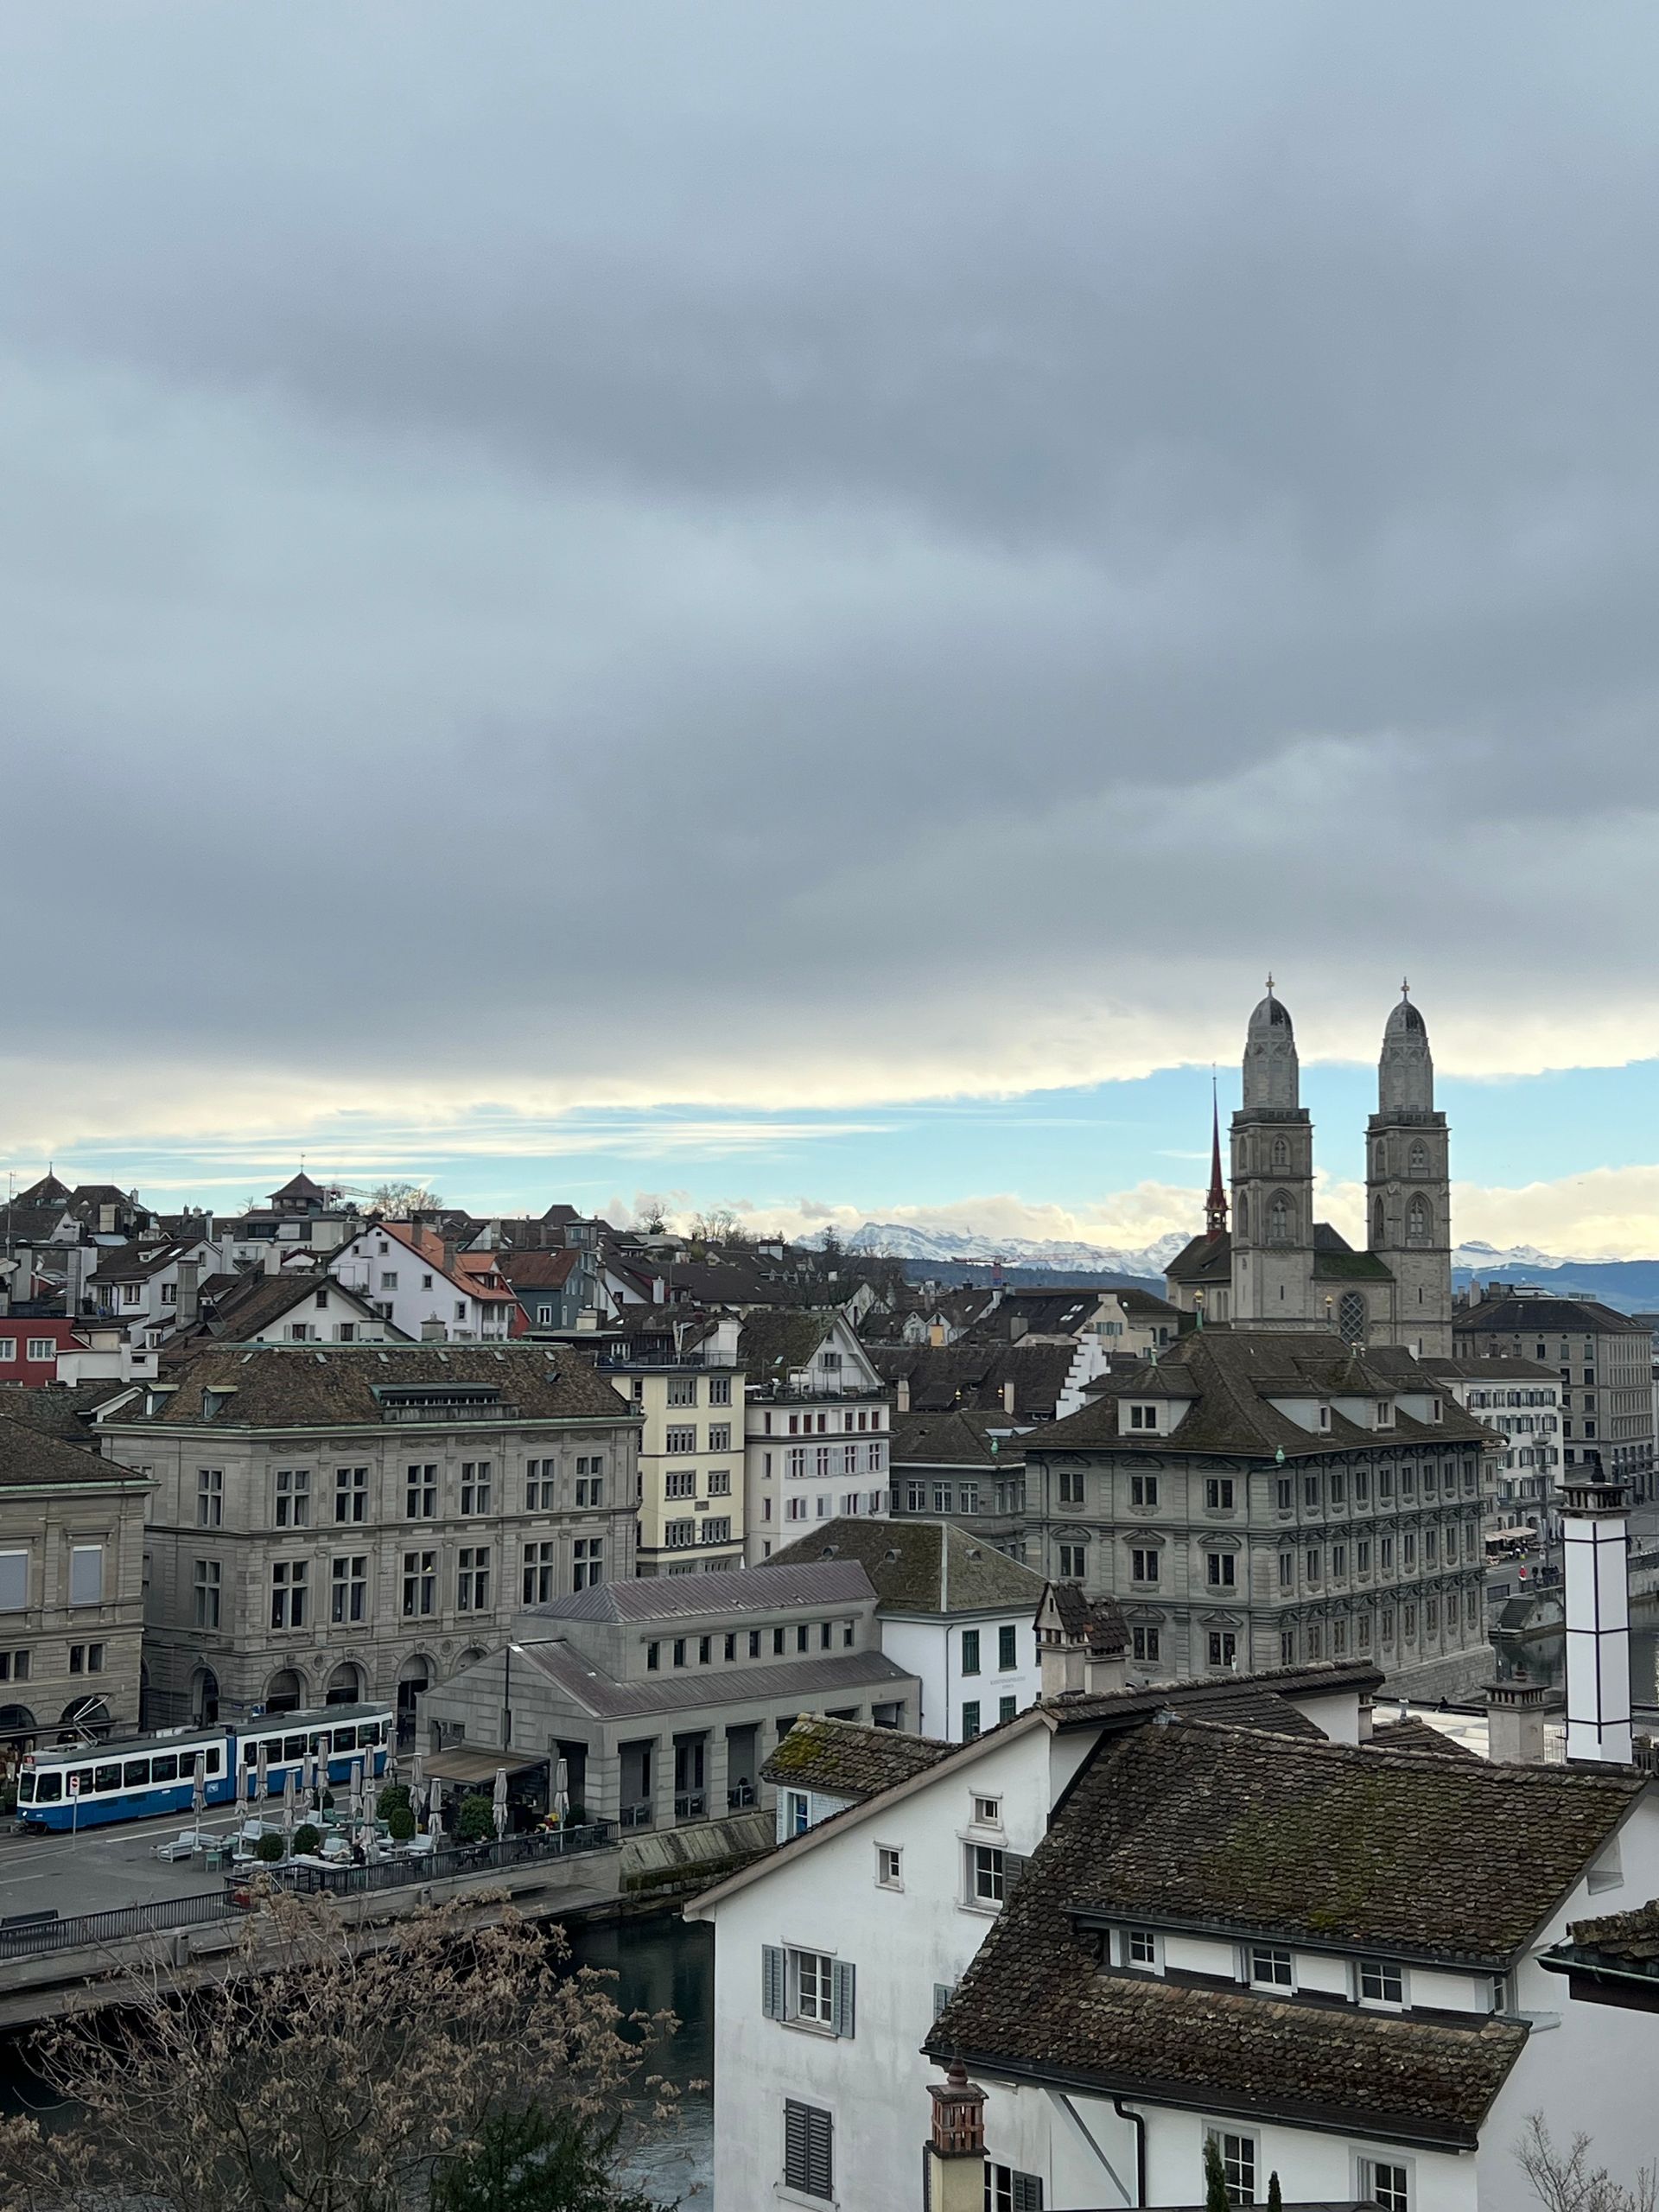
995 1264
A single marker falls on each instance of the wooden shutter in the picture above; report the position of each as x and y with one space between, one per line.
841 1997
772 1982
1015 1864
942 1992
1027 2193
809 2150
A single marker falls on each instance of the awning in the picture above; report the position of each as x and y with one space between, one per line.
466 1763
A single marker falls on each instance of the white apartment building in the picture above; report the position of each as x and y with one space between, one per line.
816 1426
1521 1400
426 1290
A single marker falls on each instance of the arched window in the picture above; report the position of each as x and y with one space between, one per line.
1419 1222
1280 1219
1420 1157
1377 1223
1352 1318
1242 1217
1281 1154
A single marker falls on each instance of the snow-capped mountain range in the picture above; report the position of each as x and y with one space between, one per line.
897 1240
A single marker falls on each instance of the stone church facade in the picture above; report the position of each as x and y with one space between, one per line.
1280 1268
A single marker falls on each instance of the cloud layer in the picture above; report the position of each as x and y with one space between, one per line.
595 557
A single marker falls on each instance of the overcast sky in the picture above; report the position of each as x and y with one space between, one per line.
788 563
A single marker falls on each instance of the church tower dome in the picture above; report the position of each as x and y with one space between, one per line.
1408 1186
1272 1179
1271 1070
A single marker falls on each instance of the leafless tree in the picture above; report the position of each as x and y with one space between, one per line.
346 2077
1565 2181
717 1226
397 1201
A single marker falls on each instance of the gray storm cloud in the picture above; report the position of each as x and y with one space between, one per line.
775 553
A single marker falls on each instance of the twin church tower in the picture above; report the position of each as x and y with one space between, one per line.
1278 1268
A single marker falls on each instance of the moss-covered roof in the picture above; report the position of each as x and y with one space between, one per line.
840 1758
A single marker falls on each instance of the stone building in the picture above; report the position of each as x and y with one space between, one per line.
347 1523
1280 1268
665 1697
71 1563
1260 1499
963 1467
1603 1361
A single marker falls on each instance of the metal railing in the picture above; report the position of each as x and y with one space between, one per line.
416 1414
639 1816
690 1804
407 1869
114 1927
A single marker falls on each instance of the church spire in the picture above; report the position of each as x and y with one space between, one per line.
1215 1208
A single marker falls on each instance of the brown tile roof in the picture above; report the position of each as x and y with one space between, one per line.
843 1759
1238 1372
973 1375
1210 1827
1414 1733
301 1386
922 1566
960 1437
33 1457
1625 1940
538 1270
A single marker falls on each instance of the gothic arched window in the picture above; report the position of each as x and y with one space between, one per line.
1280 1219
1377 1223
1241 1215
1352 1318
1419 1224
1420 1157
1281 1154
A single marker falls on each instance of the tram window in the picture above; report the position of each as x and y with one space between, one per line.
87 1777
49 1788
293 1747
165 1769
368 1736
135 1775
345 1739
108 1777
320 1740
26 1789
212 1760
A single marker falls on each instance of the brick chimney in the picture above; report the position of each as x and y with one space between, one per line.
954 2180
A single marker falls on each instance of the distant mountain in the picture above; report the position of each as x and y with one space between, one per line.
896 1240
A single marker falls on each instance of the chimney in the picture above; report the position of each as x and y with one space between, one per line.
1062 1666
1515 1720
954 2162
189 1305
1106 1670
433 1332
1595 1528
1017 1327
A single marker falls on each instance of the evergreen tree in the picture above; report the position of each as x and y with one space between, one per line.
1215 2198
1275 2195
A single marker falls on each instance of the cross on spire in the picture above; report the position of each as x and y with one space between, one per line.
1269 983
1405 987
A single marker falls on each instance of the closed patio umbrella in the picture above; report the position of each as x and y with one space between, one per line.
500 1802
434 1807
561 1792
261 1776
199 1786
287 1814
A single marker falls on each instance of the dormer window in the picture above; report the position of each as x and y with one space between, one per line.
1324 1416
1379 1983
1384 1413
1143 1417
1138 1950
1270 1966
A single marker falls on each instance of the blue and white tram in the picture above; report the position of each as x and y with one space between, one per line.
81 1785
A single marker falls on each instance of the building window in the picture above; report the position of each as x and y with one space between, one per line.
288 1594
351 1494
1143 1490
42 1348
421 1494
720 1436
682 1389
86 1574
1143 1417
1287 1570
1218 1494
1071 1486
1381 1984
811 1988
1238 2164
293 1497
539 1476
1006 1708
588 1569
1008 1649
1006 2189
720 1390
679 1535
970 1652
208 1577
889 1862
420 1585
590 1489
1284 1493
1385 2183
472 1578
348 1591
86 1659
1221 1570
987 1874
475 1485
680 1482
809 2150
717 1529
1271 1967
539 1571
1143 1566
678 1441
1073 1561
970 1720
1224 1647
1144 1643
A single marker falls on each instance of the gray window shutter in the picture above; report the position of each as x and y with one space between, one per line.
772 1982
841 1997
1015 1864
14 1581
1027 2193
942 1992
809 2150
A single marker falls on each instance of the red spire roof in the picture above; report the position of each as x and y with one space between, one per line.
1214 1206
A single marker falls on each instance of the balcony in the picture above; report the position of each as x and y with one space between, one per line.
642 1815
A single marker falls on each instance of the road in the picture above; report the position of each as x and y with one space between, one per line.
101 1867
